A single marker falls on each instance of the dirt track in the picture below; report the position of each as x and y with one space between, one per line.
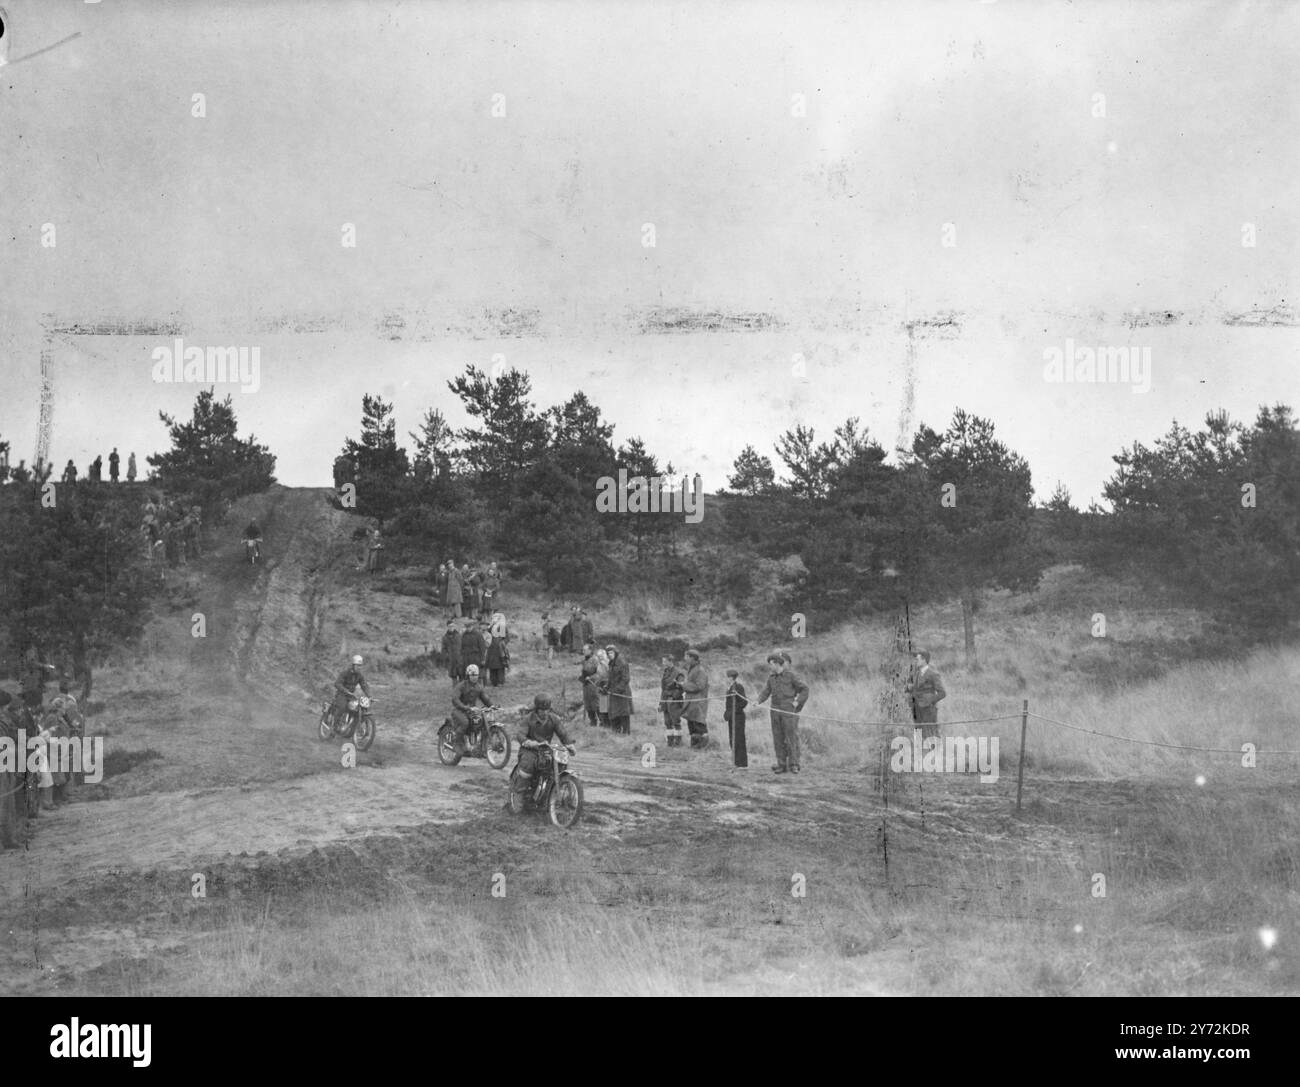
227 778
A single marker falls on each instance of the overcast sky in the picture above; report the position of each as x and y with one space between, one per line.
825 213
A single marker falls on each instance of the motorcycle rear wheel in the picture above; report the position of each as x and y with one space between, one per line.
566 802
498 747
448 755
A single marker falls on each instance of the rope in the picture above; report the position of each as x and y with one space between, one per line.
1159 743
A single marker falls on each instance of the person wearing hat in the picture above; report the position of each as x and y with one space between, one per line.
788 694
670 700
735 715
345 686
588 675
620 691
696 692
535 731
451 650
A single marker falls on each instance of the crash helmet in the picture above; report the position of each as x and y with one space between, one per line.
541 702
472 671
356 659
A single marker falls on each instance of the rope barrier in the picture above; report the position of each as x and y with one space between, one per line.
1158 743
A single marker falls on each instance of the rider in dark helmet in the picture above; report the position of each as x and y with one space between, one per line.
464 697
253 531
535 731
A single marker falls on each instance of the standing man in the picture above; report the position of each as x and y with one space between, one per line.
473 647
130 468
70 472
670 701
696 692
735 714
113 462
588 676
455 591
491 588
620 691
468 592
926 691
451 650
583 632
788 694
97 470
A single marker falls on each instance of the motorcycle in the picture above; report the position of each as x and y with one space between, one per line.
485 739
556 788
358 724
253 549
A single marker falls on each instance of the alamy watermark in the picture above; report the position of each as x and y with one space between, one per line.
208 366
650 494
55 754
1104 365
945 755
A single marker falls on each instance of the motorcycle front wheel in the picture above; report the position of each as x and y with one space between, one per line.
365 731
498 747
516 801
447 752
326 727
566 802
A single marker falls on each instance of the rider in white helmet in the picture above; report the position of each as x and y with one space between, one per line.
347 683
464 696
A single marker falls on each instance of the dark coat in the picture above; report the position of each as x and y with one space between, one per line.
451 648
497 657
696 690
620 688
472 647
927 692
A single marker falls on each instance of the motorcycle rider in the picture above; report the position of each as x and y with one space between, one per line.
535 732
463 697
253 532
345 687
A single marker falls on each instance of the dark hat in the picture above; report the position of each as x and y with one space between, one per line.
732 673
611 649
693 653
541 702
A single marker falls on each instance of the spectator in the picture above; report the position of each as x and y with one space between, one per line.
70 472
788 694
455 591
620 692
926 691
473 647
588 675
113 462
670 700
97 470
497 659
491 588
602 687
451 650
550 637
583 632
696 692
735 715
130 468
467 593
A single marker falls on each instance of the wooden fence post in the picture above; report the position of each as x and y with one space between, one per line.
1020 773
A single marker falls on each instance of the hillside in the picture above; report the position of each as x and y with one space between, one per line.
681 877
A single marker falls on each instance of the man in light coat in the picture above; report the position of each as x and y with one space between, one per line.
696 692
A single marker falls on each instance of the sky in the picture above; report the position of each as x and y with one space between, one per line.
1093 168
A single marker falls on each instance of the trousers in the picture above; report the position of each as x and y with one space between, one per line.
785 737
